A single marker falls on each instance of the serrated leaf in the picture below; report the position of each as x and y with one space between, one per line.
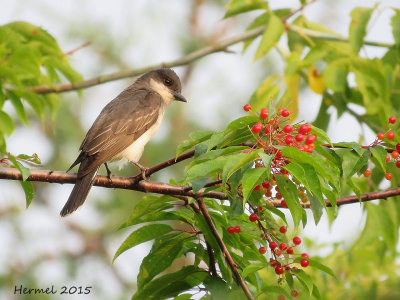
321 134
142 235
238 161
6 123
379 157
289 192
316 208
314 263
359 20
241 122
215 139
305 279
160 257
207 168
251 178
251 268
19 107
148 204
195 138
266 159
276 289
172 284
28 190
25 172
236 7
271 36
277 212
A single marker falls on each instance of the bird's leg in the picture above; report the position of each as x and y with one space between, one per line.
143 170
108 171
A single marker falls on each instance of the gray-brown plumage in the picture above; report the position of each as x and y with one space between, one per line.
123 128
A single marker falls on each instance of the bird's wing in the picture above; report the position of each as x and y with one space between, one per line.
119 124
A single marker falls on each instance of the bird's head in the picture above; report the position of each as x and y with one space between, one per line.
166 83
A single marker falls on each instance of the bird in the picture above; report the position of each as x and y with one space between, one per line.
122 129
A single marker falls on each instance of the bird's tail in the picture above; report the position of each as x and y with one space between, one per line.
79 193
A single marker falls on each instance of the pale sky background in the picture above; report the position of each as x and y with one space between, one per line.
219 87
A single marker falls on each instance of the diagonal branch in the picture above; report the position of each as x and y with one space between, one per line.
224 250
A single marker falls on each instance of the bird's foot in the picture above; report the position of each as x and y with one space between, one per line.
109 174
143 170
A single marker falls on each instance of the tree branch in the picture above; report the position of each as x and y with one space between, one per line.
221 244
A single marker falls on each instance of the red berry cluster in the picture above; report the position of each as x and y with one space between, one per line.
389 134
233 230
284 253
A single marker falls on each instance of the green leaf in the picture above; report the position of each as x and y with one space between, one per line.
251 178
195 138
289 192
389 234
236 7
395 22
379 157
314 263
305 279
28 190
271 36
359 20
266 159
238 161
275 289
19 107
24 171
147 205
207 168
316 208
142 235
251 268
215 139
6 123
325 168
160 257
267 90
321 134
335 75
172 284
240 123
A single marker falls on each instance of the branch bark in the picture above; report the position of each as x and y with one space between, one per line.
133 183
221 244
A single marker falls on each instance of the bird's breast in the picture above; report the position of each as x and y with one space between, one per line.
133 152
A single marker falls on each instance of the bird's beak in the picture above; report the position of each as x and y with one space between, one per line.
178 97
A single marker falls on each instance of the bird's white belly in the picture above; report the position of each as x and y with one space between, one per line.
135 150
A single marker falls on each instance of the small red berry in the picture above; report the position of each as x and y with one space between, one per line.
297 240
287 129
380 135
303 129
279 270
285 113
304 255
283 203
257 127
301 148
282 246
283 229
264 113
278 196
237 229
266 184
367 173
294 293
272 245
247 107
299 137
304 263
278 154
253 217
267 129
395 154
398 163
289 140
392 120
289 250
310 139
387 158
388 176
231 229
398 147
256 188
390 135
262 250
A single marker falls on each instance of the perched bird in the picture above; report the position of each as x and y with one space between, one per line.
123 128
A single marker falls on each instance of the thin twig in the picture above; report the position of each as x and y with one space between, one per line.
211 260
224 250
70 52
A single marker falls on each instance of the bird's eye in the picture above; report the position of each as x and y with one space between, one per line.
168 81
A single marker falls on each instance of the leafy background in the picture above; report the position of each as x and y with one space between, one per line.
77 251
